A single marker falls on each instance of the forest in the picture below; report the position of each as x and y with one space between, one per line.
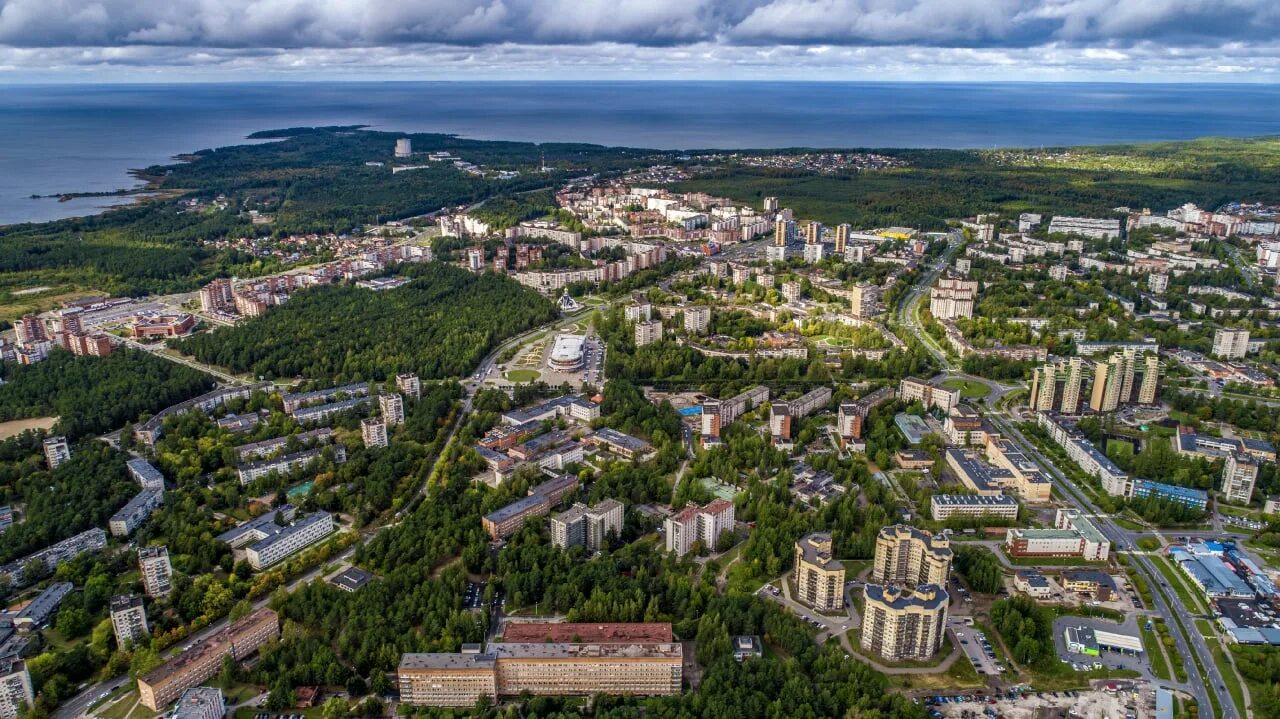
439 325
92 395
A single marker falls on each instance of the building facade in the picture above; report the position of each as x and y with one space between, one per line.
906 555
587 526
157 573
129 619
900 625
203 660
693 524
819 576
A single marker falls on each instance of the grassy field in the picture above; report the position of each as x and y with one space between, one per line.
1159 665
968 388
1149 544
18 426
1189 599
523 375
1119 448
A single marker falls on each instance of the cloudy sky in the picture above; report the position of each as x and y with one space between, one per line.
1086 40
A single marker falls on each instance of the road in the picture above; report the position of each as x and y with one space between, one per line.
908 315
1166 605
155 350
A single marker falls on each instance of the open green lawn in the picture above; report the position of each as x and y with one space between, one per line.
968 388
1119 448
522 375
1149 544
1159 666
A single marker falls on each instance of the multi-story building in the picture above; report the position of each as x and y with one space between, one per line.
373 430
250 471
946 506
718 414
1073 535
587 526
144 473
570 406
1055 387
1125 378
507 520
200 703
694 524
852 416
190 668
129 619
268 447
593 662
784 231
1230 343
392 406
16 695
782 414
1098 229
1239 474
842 239
409 385
217 296
30 330
135 512
900 625
157 573
149 432
289 540
906 555
1157 283
39 610
912 389
294 402
49 558
647 332
864 299
791 290
819 575
697 319
951 299
56 451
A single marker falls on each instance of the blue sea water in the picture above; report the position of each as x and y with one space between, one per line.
86 138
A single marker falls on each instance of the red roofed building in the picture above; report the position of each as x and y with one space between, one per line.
587 633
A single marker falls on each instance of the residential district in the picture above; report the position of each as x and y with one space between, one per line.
1019 467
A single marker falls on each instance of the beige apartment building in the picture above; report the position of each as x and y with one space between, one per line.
906 555
819 576
902 625
196 665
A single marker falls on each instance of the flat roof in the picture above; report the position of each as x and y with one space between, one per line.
447 660
567 650
587 632
352 578
626 441
1002 500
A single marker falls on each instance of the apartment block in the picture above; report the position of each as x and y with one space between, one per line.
157 573
648 332
1230 344
718 414
697 319
129 619
392 407
200 703
373 430
946 506
144 473
1125 378
852 416
912 389
289 540
56 451
587 526
782 414
90 540
864 299
286 463
1056 387
906 555
694 524
203 660
541 499
132 515
952 299
409 385
819 576
1239 474
901 625
541 668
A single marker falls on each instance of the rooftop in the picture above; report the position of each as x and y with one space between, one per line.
584 632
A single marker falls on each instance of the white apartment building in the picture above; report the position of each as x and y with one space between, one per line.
1239 474
299 536
951 299
129 619
157 573
409 385
392 406
1230 344
946 506
694 523
587 526
373 430
647 332
697 319
56 451
132 515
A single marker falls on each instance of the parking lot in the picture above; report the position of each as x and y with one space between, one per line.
1110 659
474 597
1092 704
975 645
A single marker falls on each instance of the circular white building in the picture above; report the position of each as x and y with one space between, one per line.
566 355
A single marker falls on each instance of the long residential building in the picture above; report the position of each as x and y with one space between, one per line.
946 506
507 520
294 402
203 660
782 414
912 389
148 432
268 447
852 417
286 463
90 540
132 515
906 555
615 664
900 625
289 540
718 414
693 524
322 412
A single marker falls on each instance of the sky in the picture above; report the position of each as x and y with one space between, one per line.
862 40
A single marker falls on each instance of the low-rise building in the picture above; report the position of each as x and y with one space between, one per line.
16 694
1032 583
38 611
145 474
135 512
541 499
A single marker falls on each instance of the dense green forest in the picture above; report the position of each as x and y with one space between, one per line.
80 494
439 325
92 395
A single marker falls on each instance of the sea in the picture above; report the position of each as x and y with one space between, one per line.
86 138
